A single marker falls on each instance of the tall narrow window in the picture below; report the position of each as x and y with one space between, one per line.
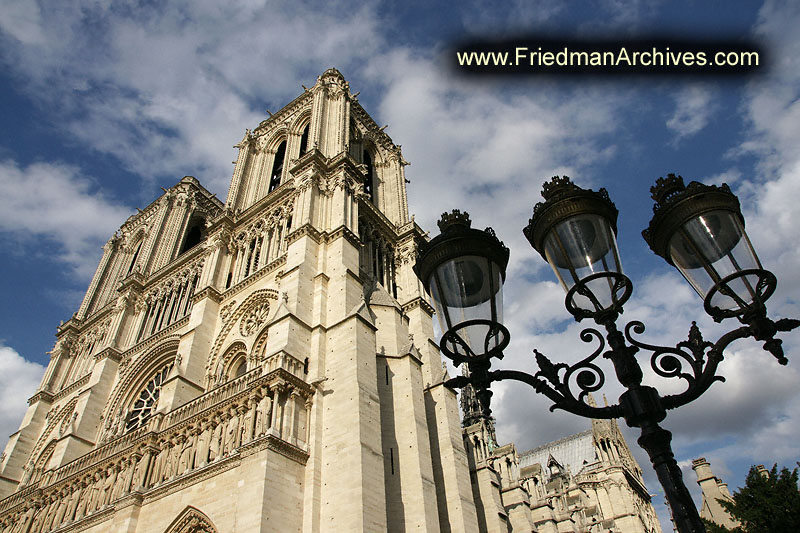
135 256
277 167
304 140
194 235
368 181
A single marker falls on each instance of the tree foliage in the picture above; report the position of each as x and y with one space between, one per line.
713 527
766 503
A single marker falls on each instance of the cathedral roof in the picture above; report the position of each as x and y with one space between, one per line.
572 452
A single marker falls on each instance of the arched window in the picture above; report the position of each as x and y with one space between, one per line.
241 369
148 398
194 235
369 188
277 167
304 140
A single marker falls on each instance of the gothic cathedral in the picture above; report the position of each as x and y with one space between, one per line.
263 364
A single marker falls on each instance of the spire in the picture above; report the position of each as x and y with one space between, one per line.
470 406
471 409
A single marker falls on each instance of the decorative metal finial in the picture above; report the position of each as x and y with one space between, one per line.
454 218
557 186
666 188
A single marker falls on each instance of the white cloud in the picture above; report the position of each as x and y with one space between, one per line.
169 89
51 207
19 379
487 147
22 20
693 109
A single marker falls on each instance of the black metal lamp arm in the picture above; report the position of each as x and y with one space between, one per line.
561 397
696 360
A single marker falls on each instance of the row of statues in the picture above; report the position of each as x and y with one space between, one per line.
178 451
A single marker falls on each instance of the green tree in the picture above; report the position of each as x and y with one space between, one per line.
767 504
713 527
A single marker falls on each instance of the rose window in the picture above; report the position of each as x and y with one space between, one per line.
254 319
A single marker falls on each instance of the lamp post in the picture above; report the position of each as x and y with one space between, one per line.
697 228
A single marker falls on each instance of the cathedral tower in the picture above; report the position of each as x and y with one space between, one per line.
263 364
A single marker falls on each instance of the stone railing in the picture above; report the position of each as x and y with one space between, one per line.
207 435
211 398
285 361
97 456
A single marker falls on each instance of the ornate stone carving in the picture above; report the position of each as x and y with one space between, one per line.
226 311
256 317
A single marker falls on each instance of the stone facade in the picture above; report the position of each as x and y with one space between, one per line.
268 364
714 490
263 364
588 482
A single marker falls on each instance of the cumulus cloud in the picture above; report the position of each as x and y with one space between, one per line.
54 204
19 379
487 147
168 89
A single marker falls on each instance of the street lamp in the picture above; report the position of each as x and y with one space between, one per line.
697 228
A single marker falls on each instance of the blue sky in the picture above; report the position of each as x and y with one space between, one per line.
102 103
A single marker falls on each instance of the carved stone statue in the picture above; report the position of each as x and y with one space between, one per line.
61 509
201 450
107 487
247 422
158 463
140 474
122 476
263 413
214 445
231 433
167 463
74 498
186 459
82 494
94 494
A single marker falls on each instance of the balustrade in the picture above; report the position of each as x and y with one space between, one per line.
206 431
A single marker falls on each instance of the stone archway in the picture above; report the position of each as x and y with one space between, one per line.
191 520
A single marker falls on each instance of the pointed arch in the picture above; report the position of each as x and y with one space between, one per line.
369 177
260 346
195 232
40 464
302 129
233 357
278 160
375 161
191 520
135 243
304 139
56 418
137 375
252 301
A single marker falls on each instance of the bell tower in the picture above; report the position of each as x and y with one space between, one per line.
262 364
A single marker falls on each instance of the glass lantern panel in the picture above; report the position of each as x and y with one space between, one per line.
579 247
468 288
710 247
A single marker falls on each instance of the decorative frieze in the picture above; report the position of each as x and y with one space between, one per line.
203 438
